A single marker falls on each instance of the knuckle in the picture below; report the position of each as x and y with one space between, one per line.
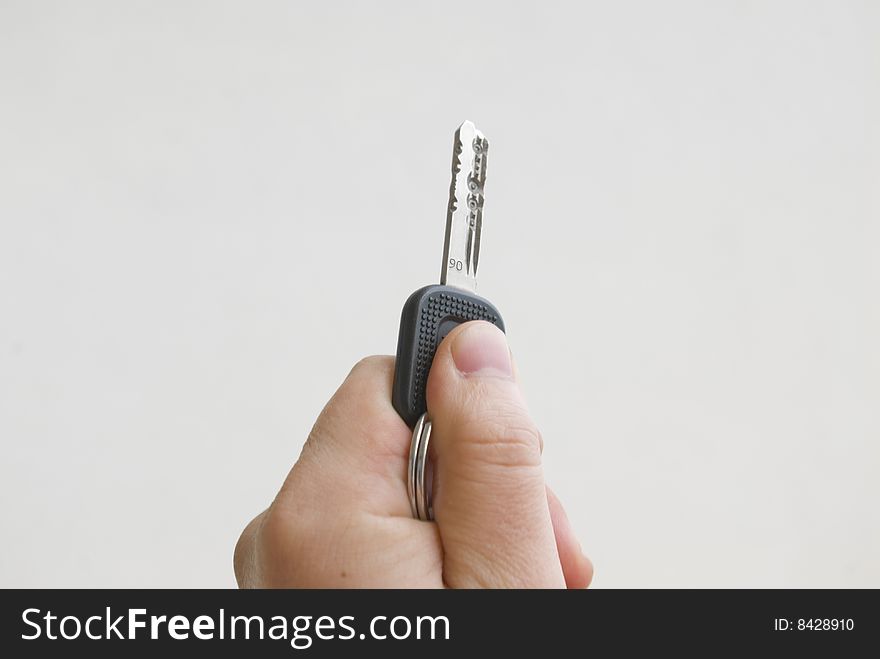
243 558
370 365
516 445
368 382
358 398
283 554
275 531
504 435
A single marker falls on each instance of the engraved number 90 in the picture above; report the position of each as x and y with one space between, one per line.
456 265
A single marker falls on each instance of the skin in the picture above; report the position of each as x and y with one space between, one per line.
342 517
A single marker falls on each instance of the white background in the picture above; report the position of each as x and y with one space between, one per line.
211 210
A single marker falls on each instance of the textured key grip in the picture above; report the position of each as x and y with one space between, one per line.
428 316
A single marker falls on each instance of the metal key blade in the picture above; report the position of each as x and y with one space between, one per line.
464 215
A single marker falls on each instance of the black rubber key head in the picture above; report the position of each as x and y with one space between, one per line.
428 316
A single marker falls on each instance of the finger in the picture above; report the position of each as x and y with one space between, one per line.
490 501
359 444
577 568
361 409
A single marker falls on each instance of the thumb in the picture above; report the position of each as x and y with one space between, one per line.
490 502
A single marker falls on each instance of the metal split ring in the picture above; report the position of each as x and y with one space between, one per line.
418 486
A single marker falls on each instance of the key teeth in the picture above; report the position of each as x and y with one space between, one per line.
465 207
457 148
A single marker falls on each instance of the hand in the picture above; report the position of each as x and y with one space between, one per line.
342 518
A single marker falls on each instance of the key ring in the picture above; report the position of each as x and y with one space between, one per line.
417 486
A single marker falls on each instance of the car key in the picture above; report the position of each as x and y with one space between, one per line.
433 311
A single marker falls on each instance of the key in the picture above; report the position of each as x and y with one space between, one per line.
432 312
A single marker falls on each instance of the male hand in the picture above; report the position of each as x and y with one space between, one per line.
342 518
